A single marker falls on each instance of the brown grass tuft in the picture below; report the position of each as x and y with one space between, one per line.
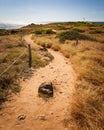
56 47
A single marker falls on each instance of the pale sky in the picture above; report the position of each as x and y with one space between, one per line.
40 11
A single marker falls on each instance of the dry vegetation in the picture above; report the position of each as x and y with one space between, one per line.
87 109
87 106
88 100
12 47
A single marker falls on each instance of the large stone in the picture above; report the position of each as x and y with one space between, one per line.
46 89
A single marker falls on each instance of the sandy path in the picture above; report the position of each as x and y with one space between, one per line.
60 72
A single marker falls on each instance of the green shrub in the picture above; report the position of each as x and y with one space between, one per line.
78 30
73 35
49 31
80 23
39 32
61 27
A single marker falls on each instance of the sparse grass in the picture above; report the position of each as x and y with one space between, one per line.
39 58
11 48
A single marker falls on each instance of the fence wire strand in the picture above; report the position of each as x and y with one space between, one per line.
12 63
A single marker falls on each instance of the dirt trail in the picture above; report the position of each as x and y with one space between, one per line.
27 103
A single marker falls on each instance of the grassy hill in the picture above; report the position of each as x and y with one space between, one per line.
83 43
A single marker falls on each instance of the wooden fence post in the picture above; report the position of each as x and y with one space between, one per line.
76 41
30 56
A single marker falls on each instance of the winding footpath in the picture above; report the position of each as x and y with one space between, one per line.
38 113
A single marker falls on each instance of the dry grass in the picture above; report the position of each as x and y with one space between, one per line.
11 47
56 47
87 107
65 50
88 100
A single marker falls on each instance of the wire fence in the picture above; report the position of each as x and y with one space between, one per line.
18 58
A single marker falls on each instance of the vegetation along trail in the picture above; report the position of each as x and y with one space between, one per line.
28 111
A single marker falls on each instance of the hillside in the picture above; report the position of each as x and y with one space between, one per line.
82 45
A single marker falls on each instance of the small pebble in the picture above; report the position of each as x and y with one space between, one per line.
60 92
51 113
21 117
42 117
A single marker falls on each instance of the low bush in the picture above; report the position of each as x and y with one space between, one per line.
38 32
78 30
73 35
43 31
49 31
97 32
61 27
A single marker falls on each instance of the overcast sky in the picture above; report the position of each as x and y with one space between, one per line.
39 11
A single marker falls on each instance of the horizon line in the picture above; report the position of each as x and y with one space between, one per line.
49 22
